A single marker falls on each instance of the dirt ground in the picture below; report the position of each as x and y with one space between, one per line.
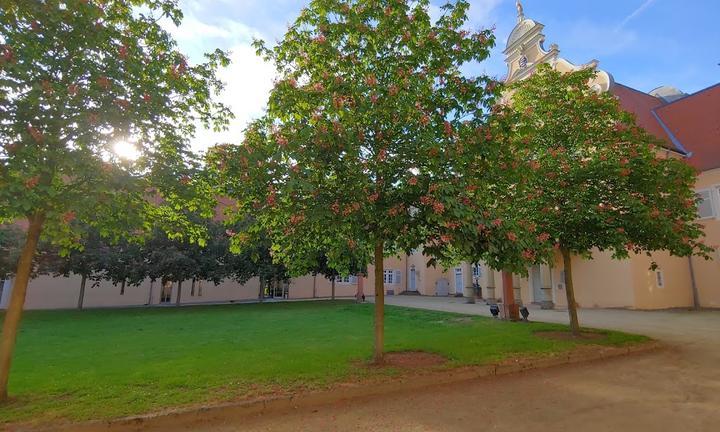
677 388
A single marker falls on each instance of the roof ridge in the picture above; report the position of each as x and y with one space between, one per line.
690 95
638 91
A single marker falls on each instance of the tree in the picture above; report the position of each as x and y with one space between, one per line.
123 263
87 260
322 267
364 135
11 241
77 78
593 179
209 260
169 259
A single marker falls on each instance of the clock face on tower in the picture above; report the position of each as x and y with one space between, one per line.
523 62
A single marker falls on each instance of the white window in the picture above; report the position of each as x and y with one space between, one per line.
660 279
477 271
391 277
346 280
388 276
707 207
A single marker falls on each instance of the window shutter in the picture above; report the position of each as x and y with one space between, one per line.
396 279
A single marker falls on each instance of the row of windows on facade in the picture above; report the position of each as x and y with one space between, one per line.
394 277
389 277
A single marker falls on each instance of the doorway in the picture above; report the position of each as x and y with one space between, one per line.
536 279
413 283
458 281
166 292
277 289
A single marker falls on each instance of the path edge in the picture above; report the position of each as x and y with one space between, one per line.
236 411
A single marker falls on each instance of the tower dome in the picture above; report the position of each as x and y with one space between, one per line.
668 93
521 29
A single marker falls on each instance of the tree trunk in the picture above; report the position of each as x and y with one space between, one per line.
177 301
510 307
152 282
17 301
81 297
261 291
122 288
192 288
379 303
332 289
570 292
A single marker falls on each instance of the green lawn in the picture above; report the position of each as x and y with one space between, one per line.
110 363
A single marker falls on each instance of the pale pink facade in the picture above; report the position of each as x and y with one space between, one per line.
599 283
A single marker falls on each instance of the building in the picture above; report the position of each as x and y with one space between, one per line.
688 125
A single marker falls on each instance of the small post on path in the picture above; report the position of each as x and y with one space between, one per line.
511 310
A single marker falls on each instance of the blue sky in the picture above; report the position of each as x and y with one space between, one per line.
642 43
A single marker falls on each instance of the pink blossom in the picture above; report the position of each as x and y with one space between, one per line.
281 140
36 134
103 82
32 182
382 154
69 217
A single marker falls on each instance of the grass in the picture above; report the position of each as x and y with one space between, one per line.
108 363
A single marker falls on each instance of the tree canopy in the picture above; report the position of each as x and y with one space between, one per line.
77 79
369 130
592 178
11 240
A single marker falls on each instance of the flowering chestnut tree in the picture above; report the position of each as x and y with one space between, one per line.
367 134
592 178
77 77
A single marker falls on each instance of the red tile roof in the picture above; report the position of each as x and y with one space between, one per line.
694 122
642 105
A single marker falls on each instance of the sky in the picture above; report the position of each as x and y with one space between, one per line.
643 43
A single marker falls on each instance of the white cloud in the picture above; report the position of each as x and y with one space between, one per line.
249 80
482 12
598 41
635 13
